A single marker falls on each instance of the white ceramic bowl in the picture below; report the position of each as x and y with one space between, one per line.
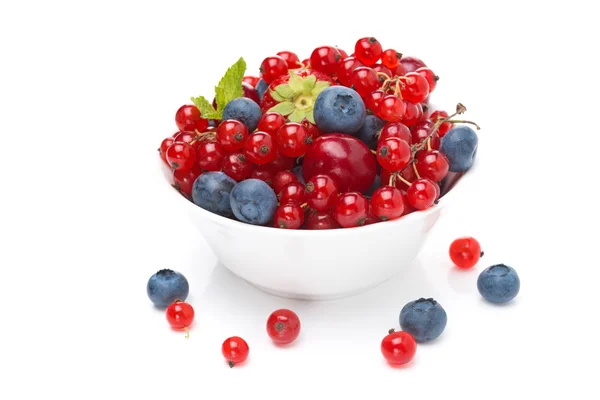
315 265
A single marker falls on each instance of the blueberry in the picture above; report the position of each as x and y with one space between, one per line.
425 319
369 130
459 145
244 110
376 185
253 202
339 109
297 170
211 192
498 283
261 88
166 286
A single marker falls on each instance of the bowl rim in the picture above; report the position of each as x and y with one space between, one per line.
234 224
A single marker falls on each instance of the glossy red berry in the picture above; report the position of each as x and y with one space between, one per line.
412 113
316 220
465 252
432 165
209 156
180 315
395 129
237 166
400 70
188 118
445 126
408 174
164 145
347 66
422 194
350 210
421 131
289 216
386 203
263 172
293 139
398 347
181 156
326 59
282 178
415 88
393 154
391 108
283 326
342 53
368 50
184 180
231 135
321 192
383 69
272 68
411 64
373 99
429 76
281 163
270 122
293 192
235 350
291 59
251 80
186 137
260 148
364 80
391 58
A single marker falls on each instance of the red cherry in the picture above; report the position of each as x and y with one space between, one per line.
188 118
272 68
398 347
422 194
283 178
364 80
415 88
209 156
325 59
412 113
251 80
411 64
445 126
346 159
347 66
368 50
391 58
289 216
387 204
231 135
263 172
260 148
180 315
316 220
283 326
164 145
293 192
421 131
429 76
270 122
281 163
432 165
181 156
393 154
321 192
293 139
373 99
395 129
184 180
465 252
391 108
237 166
235 350
351 209
291 59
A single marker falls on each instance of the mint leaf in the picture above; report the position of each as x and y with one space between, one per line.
230 85
285 108
206 109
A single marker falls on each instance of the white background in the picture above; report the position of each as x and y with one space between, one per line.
89 89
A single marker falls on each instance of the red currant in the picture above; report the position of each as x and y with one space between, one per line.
445 126
313 130
373 99
282 163
391 108
209 156
293 139
184 180
237 166
432 165
393 154
263 172
429 76
291 59
293 192
408 174
235 350
342 53
270 122
465 252
347 66
408 208
321 192
422 194
181 156
164 145
272 68
231 135
283 178
260 148
415 88
368 50
386 203
283 326
289 216
321 220
398 347
395 129
412 114
364 80
185 137
421 132
251 80
188 118
350 209
391 58
400 70
411 64
325 59
384 69
180 315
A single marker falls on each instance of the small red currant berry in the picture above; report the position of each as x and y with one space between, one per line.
395 129
263 172
382 68
351 209
181 156
373 99
391 58
432 165
188 118
386 203
283 326
465 252
393 154
429 76
326 59
368 50
237 166
231 135
316 220
164 145
293 139
272 68
292 60
251 80
209 156
364 80
445 126
180 315
235 350
421 132
270 122
260 148
283 178
321 192
282 163
412 113
347 66
422 194
391 108
398 347
415 88
183 181
289 216
293 192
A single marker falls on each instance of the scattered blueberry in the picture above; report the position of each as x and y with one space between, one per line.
369 130
498 283
425 319
253 202
297 170
459 145
211 191
244 110
166 286
261 88
376 185
339 109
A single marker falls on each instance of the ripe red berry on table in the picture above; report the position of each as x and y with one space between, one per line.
368 50
398 348
465 252
235 350
283 326
180 315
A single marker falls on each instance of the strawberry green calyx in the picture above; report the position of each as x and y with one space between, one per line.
297 97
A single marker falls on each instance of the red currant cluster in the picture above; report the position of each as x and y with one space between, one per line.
326 180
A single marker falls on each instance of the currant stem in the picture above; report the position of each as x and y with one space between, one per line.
304 205
462 121
407 183
187 332
428 144
387 77
415 169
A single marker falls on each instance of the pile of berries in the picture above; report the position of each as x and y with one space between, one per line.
334 141
421 320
